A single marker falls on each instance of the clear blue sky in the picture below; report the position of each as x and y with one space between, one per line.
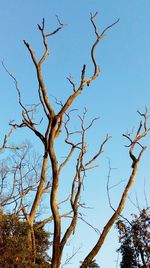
122 88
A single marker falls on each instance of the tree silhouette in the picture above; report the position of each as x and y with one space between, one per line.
135 241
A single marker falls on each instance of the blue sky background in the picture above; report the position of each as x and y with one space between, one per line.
122 88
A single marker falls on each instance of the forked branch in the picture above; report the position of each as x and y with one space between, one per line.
86 82
80 172
140 134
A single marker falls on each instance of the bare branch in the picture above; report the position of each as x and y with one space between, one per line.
4 145
49 219
139 135
86 82
117 212
61 25
72 83
70 257
95 229
99 152
31 53
18 91
39 74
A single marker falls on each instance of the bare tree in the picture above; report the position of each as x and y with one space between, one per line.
6 195
56 123
18 176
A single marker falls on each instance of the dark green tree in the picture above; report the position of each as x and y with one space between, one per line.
135 241
92 264
14 248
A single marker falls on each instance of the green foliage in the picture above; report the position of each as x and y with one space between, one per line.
14 246
135 241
